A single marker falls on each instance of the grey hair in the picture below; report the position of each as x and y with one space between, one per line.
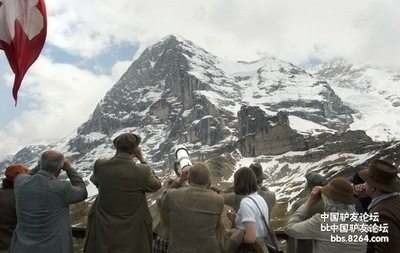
337 206
199 174
50 162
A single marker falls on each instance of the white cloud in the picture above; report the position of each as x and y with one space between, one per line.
289 29
62 95
379 42
119 69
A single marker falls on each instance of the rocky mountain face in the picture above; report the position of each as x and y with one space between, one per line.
228 113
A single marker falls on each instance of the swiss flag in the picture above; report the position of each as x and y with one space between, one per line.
23 29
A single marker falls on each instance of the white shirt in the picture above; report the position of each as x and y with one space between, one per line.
248 212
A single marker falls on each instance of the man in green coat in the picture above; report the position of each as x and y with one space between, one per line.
119 220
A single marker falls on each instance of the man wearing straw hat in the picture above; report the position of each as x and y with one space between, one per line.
338 199
383 185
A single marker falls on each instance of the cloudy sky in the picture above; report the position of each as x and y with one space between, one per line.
91 43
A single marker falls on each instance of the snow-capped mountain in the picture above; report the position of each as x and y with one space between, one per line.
234 113
372 92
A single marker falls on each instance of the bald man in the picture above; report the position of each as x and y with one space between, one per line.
42 204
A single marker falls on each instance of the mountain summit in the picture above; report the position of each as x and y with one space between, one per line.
177 92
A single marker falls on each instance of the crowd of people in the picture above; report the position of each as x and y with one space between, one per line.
358 215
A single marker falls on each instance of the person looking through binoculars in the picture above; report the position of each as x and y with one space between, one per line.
193 213
119 220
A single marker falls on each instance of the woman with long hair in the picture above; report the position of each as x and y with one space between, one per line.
252 208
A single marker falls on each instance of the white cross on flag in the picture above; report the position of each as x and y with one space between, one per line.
23 29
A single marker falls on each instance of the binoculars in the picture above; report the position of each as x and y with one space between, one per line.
182 158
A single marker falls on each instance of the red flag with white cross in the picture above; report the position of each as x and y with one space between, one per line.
23 29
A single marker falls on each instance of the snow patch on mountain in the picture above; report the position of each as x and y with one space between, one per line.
307 127
372 92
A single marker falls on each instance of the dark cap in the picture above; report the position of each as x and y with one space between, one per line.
356 179
315 179
258 170
126 142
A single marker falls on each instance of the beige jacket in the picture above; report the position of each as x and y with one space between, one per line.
299 228
194 218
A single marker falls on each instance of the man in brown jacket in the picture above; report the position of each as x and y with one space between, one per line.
383 185
119 220
194 213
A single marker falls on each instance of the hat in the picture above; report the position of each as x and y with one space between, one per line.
13 170
339 189
126 142
315 179
258 170
356 179
382 175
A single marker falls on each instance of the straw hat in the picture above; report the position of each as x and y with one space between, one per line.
339 189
